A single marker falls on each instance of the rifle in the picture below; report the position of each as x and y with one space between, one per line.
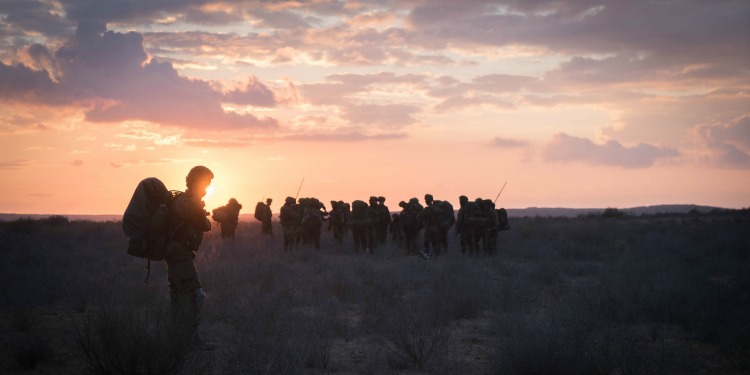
300 188
501 191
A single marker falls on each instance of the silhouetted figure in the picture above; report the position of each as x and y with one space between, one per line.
337 221
312 221
360 224
289 221
492 225
397 231
228 217
266 226
430 218
462 201
185 288
445 222
383 221
411 224
471 227
374 213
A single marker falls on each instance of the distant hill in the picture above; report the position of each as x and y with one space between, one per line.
512 212
641 210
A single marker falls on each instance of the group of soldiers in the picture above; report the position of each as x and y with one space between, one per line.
477 224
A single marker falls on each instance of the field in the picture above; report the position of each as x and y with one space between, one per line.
656 294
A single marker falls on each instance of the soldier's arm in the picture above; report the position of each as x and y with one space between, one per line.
192 213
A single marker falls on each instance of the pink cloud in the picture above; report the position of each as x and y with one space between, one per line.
565 148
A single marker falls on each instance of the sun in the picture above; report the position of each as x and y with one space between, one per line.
210 189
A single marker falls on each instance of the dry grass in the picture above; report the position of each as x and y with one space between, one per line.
588 295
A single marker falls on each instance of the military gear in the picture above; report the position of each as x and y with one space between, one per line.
148 221
228 217
264 215
360 223
312 222
502 217
288 218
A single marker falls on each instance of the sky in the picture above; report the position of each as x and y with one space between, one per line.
566 103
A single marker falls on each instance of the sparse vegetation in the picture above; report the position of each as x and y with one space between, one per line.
621 294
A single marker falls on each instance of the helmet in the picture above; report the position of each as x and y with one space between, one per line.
290 200
463 199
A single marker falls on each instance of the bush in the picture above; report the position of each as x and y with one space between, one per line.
413 334
133 339
30 350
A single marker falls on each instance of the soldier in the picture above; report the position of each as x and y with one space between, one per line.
430 217
472 227
288 220
336 221
460 230
397 231
480 220
360 224
384 221
445 222
228 217
411 224
374 214
492 227
347 210
185 289
266 226
312 221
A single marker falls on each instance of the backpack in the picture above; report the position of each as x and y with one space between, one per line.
260 211
220 214
447 219
147 220
360 215
312 218
502 218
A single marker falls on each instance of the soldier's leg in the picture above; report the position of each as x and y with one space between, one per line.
184 283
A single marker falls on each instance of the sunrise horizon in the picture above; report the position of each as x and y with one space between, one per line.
576 105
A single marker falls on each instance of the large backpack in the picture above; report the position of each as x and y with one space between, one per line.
147 221
502 218
447 217
260 211
360 215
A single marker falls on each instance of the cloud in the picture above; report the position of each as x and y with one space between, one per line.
382 115
508 143
111 71
77 163
735 131
345 137
565 148
728 142
209 143
254 93
15 163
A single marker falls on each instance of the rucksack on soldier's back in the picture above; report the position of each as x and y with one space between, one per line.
147 220
260 210
502 218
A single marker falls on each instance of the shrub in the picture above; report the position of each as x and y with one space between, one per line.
30 350
132 339
413 334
